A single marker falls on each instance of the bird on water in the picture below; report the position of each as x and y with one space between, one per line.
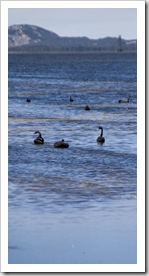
87 107
61 144
39 139
28 100
125 101
101 139
71 99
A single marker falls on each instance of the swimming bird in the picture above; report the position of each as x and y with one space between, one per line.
71 99
61 144
87 107
28 100
101 139
39 139
125 101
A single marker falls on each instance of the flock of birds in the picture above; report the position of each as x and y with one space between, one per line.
62 144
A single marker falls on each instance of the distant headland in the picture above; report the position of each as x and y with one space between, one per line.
26 38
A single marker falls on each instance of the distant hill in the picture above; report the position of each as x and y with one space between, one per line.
29 38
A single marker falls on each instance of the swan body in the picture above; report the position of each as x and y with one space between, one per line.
87 107
101 139
124 101
28 100
61 144
39 139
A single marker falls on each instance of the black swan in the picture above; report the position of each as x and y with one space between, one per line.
101 139
71 99
61 144
28 100
87 107
125 101
39 139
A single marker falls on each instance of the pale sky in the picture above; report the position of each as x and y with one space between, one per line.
93 23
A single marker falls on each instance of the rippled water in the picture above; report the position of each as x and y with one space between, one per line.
86 177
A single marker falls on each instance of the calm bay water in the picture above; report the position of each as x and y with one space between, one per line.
70 205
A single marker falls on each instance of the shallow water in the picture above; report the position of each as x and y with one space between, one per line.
63 202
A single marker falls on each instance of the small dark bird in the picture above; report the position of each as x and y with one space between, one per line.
101 139
61 144
71 99
87 107
39 139
125 101
28 100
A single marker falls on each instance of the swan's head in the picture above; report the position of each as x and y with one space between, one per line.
100 127
37 132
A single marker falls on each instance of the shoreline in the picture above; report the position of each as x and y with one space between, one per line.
70 52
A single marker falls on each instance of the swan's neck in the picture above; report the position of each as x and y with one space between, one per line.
101 132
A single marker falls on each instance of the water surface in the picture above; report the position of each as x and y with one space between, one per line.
75 205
